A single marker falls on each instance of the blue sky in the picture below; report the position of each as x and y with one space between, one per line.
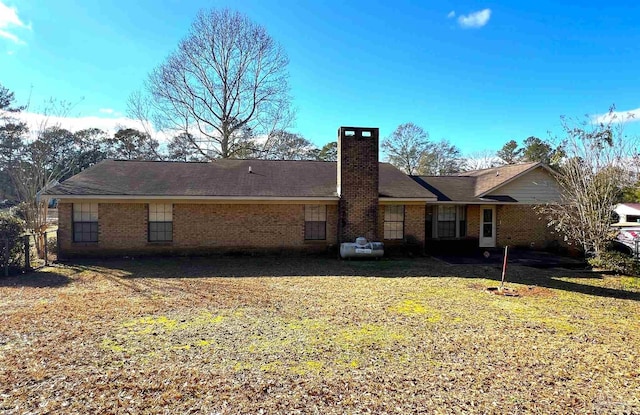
510 73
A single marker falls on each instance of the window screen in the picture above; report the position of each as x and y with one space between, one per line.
315 222
394 222
85 222
447 221
160 222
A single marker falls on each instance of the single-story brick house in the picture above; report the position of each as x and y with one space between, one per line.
135 207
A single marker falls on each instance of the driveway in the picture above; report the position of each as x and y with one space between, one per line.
527 258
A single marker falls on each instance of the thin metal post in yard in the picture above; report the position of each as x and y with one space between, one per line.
504 266
27 249
46 251
6 257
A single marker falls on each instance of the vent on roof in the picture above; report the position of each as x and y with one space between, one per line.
250 171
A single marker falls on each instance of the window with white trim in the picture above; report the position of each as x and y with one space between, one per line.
394 222
315 222
450 222
447 221
160 222
85 222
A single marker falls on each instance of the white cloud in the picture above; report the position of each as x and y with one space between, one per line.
475 19
106 110
9 19
451 14
618 116
37 121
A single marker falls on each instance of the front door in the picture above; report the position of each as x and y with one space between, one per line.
487 226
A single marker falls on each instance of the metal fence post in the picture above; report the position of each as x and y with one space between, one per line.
6 257
27 252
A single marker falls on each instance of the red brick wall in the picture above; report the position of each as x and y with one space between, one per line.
516 225
197 228
473 221
413 224
520 225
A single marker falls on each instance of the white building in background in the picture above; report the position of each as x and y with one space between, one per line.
629 213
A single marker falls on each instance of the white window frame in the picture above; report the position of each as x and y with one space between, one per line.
160 213
394 215
85 216
460 211
315 222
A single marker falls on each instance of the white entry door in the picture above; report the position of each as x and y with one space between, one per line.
487 226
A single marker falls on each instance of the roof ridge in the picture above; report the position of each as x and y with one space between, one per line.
213 160
499 167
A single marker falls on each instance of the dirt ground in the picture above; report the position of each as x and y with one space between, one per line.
315 335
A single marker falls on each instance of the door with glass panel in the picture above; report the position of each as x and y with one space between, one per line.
487 226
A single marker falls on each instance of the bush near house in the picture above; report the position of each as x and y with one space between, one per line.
11 227
617 262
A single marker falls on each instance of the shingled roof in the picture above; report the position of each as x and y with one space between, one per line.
474 186
492 178
225 178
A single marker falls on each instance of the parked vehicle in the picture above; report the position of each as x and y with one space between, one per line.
628 240
6 203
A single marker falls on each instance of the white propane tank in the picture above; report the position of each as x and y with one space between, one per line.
361 249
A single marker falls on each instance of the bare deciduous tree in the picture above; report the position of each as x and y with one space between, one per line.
483 159
441 158
597 165
227 75
406 147
45 155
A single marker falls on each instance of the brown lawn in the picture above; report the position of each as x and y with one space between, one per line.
309 335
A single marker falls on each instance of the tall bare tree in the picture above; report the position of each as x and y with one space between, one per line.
441 158
406 147
599 161
227 75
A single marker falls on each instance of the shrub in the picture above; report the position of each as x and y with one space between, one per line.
11 227
52 244
617 262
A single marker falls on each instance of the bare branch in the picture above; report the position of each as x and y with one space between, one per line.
227 75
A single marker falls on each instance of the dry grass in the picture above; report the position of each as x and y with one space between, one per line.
221 335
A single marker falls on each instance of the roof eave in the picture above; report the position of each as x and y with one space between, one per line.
407 199
183 197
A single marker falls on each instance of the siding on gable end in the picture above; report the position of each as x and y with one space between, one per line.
537 186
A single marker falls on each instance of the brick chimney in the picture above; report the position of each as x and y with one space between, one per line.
358 183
